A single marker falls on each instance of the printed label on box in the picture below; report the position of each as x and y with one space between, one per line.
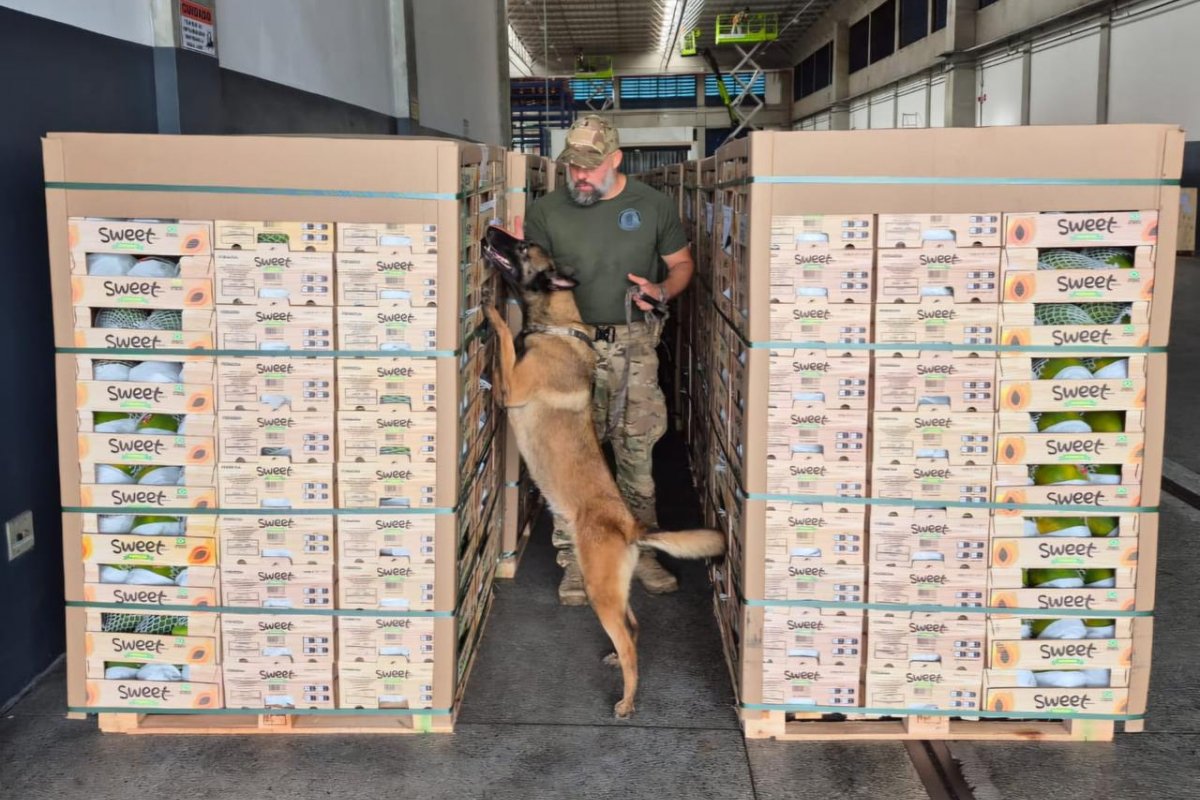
304 539
273 275
958 439
408 384
275 486
370 639
276 385
918 230
280 685
933 378
385 684
301 437
1070 448
967 275
277 584
149 449
258 638
275 327
398 275
293 236
1081 229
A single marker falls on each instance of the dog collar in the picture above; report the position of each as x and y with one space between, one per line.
603 333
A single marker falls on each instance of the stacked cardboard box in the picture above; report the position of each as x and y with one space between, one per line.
997 366
330 445
529 178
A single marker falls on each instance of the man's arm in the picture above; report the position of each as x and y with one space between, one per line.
680 268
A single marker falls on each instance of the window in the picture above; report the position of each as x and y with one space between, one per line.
712 97
814 73
883 31
658 91
860 44
914 21
940 13
596 90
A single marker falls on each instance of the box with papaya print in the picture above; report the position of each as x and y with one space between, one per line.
1055 702
1081 229
1056 654
201 690
169 551
141 636
1073 384
1076 449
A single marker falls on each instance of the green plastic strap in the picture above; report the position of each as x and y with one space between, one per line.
947 180
967 348
941 712
262 190
925 608
104 351
903 502
286 512
168 608
422 722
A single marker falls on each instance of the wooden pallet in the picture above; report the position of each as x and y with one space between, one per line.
222 725
787 726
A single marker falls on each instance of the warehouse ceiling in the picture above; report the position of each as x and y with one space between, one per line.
646 27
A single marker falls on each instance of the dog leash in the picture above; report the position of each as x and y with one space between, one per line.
654 319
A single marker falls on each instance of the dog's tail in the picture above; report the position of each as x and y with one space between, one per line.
699 543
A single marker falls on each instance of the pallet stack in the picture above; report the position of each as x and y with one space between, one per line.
281 475
529 177
937 416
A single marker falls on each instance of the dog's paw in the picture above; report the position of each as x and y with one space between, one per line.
493 316
612 660
623 709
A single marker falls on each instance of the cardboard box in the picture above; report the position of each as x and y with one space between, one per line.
820 270
921 685
804 376
931 479
812 428
146 449
395 275
1070 448
919 379
202 589
928 583
284 639
841 231
149 524
823 533
280 685
1013 489
793 636
933 432
1058 701
1081 229
964 274
391 436
958 536
385 684
1020 399
268 385
1098 600
1049 654
795 682
982 229
813 319
1068 552
254 583
98 479
936 321
200 336
407 384
1019 326
191 425
301 437
136 237
149 294
955 643
382 485
164 398
137 694
1022 524
146 498
190 369
805 474
200 645
362 237
363 538
302 539
275 326
1024 282
272 274
399 584
289 236
275 485
393 326
159 551
804 580
372 639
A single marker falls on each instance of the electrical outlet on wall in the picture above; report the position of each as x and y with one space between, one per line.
19 533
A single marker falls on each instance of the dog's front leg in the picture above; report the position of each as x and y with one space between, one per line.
508 353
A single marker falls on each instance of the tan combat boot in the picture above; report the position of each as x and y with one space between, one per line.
654 578
570 589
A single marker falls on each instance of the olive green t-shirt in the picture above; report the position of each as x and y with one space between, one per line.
599 245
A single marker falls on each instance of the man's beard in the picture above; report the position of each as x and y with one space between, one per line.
596 194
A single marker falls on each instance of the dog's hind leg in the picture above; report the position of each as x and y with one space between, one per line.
612 617
608 574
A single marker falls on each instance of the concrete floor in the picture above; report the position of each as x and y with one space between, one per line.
536 722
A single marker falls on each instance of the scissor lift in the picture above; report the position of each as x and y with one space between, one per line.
747 33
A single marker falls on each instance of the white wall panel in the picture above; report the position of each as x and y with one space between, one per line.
883 109
910 105
937 103
1153 66
121 19
1000 79
860 115
1064 76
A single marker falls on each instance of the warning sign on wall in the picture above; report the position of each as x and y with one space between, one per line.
197 28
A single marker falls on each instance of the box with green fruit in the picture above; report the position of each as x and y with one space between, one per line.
1053 701
154 685
1060 588
1052 551
127 584
270 638
1072 521
137 239
139 329
1048 643
145 450
1096 485
136 497
203 525
1065 449
955 537
1086 275
1081 229
1079 385
1053 325
144 637
152 424
149 551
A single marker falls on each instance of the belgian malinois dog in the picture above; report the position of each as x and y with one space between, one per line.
548 394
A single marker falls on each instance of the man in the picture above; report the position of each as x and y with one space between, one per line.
614 232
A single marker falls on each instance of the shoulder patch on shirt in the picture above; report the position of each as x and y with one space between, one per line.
630 219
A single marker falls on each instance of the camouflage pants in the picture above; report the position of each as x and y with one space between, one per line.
642 424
